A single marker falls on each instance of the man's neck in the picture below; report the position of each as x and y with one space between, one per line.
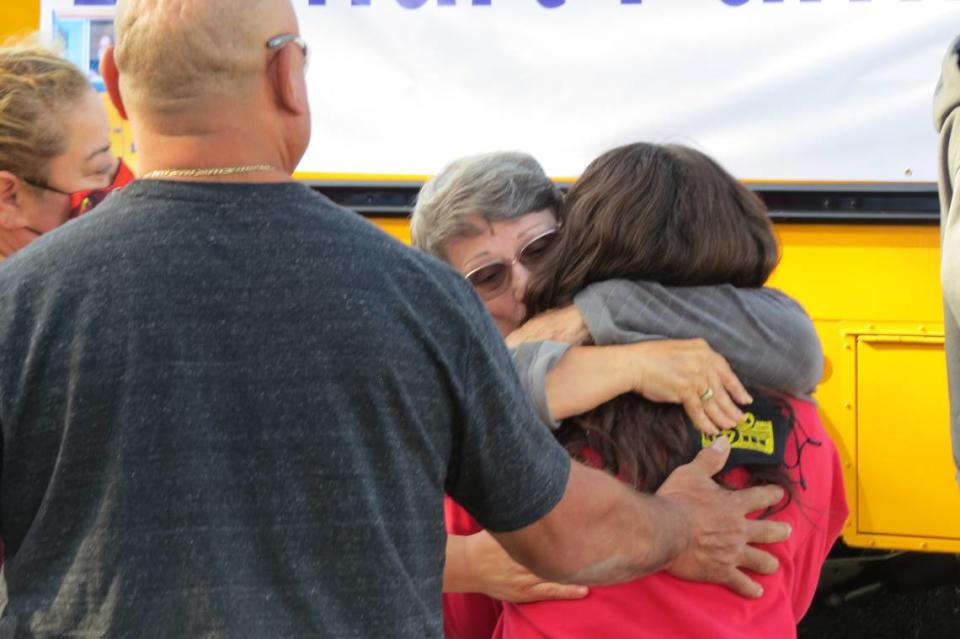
241 151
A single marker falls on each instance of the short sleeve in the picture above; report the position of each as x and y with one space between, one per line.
507 469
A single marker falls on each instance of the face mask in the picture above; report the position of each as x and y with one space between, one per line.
84 201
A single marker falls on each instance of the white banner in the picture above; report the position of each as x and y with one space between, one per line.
788 90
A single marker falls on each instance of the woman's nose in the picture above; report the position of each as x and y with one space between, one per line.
520 278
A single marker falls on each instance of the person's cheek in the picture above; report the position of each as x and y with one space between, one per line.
504 311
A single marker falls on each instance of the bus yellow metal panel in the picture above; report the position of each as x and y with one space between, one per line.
866 273
121 136
399 228
878 282
19 18
903 447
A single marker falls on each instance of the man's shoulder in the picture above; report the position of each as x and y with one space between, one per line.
154 238
181 224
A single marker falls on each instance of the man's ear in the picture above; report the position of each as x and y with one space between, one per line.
111 80
11 196
289 81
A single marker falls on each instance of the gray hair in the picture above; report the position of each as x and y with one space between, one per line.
495 186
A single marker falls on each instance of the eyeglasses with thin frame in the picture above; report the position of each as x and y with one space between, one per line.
493 279
279 41
45 187
80 201
42 187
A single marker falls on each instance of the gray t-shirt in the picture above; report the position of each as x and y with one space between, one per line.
233 410
946 114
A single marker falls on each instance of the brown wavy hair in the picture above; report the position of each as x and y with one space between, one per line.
668 214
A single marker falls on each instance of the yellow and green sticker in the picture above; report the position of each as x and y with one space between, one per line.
750 434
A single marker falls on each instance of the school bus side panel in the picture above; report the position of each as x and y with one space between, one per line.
874 294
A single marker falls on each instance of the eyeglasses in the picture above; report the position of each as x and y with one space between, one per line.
279 41
42 187
80 201
493 279
83 201
45 187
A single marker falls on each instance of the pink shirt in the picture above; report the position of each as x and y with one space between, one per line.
663 606
469 615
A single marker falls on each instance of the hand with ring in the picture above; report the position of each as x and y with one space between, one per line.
690 373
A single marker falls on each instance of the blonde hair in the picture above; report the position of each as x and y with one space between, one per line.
36 88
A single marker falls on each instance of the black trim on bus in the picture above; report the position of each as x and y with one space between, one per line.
788 203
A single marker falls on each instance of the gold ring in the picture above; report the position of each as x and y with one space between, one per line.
706 395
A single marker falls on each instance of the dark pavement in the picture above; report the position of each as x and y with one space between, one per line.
928 614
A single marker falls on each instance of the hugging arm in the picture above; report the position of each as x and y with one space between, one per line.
603 532
566 380
767 337
478 563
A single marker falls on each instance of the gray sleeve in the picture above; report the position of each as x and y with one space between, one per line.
767 337
533 361
506 469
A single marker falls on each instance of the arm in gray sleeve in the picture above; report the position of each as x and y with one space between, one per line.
767 338
533 360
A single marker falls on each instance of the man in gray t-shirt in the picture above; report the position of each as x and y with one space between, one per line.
229 408
196 423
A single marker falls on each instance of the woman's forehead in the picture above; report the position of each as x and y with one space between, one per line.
495 239
88 128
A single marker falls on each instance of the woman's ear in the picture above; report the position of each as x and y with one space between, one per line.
11 199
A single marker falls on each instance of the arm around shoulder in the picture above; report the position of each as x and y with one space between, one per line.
604 532
766 336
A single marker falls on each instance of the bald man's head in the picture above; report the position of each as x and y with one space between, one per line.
174 55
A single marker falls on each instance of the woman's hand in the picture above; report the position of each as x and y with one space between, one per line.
686 372
482 565
690 373
559 325
673 371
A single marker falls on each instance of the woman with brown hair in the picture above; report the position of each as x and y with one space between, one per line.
672 215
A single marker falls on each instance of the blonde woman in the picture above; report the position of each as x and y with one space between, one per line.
55 159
